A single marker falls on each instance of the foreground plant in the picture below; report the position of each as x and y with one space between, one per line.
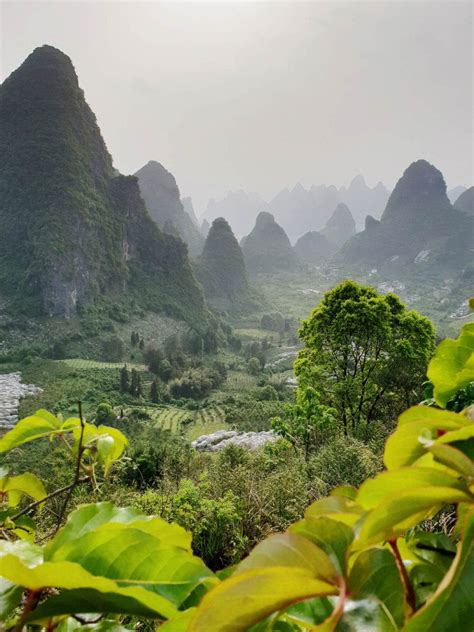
358 560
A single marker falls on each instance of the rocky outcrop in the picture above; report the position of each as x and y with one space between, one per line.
314 248
161 194
188 206
267 248
222 438
340 227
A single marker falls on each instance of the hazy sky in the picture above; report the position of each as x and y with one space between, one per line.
261 95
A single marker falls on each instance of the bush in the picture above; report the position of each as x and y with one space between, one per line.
344 461
272 322
105 413
254 366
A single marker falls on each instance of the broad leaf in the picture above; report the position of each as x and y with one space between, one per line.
330 535
83 592
405 509
290 549
179 623
41 424
338 508
22 485
452 366
88 518
384 485
453 458
452 605
245 599
375 574
404 446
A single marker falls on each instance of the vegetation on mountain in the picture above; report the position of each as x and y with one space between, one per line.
366 354
161 194
314 248
72 232
267 248
221 267
418 226
359 557
465 202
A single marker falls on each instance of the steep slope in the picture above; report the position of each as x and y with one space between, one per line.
465 202
314 248
340 226
73 233
363 200
455 193
239 208
221 268
267 248
418 226
161 194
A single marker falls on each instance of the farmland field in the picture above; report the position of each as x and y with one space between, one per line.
79 363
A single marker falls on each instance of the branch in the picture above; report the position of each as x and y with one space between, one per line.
24 511
403 571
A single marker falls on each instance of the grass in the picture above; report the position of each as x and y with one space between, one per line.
238 382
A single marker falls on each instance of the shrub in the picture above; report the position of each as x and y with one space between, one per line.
112 349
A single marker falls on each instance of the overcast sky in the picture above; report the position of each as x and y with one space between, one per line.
262 95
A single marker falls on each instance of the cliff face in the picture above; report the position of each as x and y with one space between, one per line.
71 231
465 202
267 248
161 194
419 226
222 267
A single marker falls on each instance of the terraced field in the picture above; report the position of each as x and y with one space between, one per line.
79 363
206 421
238 382
171 418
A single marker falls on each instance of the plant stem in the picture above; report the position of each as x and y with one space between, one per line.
403 572
66 488
31 599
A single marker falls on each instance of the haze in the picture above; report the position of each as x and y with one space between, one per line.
263 95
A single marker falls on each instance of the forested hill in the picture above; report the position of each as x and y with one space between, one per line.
72 232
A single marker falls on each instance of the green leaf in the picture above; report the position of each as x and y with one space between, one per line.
452 605
405 509
404 447
292 550
338 508
311 611
332 536
22 485
453 458
109 442
84 592
375 574
345 490
384 485
180 623
88 518
245 599
452 366
10 591
41 424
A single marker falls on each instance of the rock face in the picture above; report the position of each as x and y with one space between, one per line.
267 248
205 227
239 208
161 194
340 227
11 391
221 267
465 202
222 438
314 248
419 226
72 231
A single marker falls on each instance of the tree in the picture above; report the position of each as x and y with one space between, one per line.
155 391
134 382
254 366
124 380
210 341
305 420
112 349
365 353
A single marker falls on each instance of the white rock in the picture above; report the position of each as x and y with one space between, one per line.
222 438
11 391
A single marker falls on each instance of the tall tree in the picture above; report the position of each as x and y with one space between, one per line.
124 380
365 353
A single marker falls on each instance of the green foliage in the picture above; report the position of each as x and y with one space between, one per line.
113 349
105 413
365 353
358 559
272 322
254 367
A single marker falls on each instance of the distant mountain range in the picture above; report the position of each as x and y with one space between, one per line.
419 226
